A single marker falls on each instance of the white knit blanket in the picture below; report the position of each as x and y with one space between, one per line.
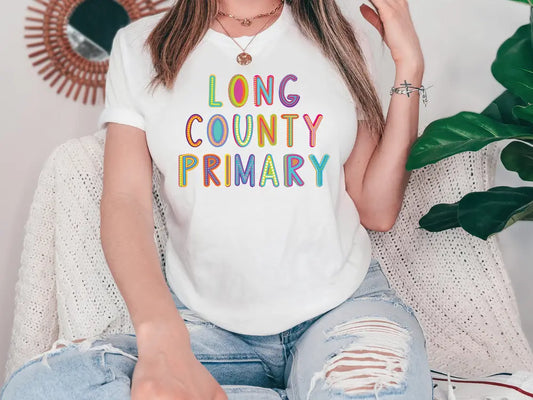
456 283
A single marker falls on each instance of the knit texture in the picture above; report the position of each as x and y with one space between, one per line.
456 284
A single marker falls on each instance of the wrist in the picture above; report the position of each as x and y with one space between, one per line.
412 70
413 78
159 331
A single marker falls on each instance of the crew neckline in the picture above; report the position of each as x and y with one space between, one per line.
268 33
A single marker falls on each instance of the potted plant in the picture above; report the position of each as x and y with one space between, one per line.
509 116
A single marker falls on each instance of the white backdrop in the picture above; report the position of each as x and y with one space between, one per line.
459 39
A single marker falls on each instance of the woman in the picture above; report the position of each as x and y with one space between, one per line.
272 291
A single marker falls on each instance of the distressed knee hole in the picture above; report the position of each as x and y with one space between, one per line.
375 360
84 344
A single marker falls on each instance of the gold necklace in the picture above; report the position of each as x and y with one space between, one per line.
245 58
248 21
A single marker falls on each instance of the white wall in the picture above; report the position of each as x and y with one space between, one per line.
459 39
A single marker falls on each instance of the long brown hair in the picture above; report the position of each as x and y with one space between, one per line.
186 22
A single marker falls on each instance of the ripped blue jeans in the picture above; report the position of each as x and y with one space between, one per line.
371 346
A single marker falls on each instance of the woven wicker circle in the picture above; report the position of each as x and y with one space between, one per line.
55 58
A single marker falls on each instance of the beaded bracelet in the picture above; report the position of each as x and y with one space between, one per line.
407 88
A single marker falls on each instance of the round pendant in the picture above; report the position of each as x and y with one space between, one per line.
244 58
246 22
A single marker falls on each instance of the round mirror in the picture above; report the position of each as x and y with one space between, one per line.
70 40
92 26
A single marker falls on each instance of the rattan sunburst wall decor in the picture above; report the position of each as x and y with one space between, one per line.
70 40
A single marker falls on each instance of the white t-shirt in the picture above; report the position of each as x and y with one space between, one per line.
262 233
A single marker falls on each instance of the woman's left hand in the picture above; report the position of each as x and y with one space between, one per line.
393 22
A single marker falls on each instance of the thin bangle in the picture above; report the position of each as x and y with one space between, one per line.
407 88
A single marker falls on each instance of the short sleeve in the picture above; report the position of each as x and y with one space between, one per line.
364 43
121 106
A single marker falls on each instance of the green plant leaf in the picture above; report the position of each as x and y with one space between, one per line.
465 131
440 217
525 113
513 66
484 213
501 108
518 157
522 1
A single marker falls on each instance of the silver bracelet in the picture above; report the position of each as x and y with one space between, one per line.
407 88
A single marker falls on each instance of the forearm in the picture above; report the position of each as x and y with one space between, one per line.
128 244
386 178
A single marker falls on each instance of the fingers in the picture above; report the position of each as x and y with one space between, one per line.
387 10
379 4
371 16
382 5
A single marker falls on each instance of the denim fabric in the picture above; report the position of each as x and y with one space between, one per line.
294 364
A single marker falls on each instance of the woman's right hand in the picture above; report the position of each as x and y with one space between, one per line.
167 369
